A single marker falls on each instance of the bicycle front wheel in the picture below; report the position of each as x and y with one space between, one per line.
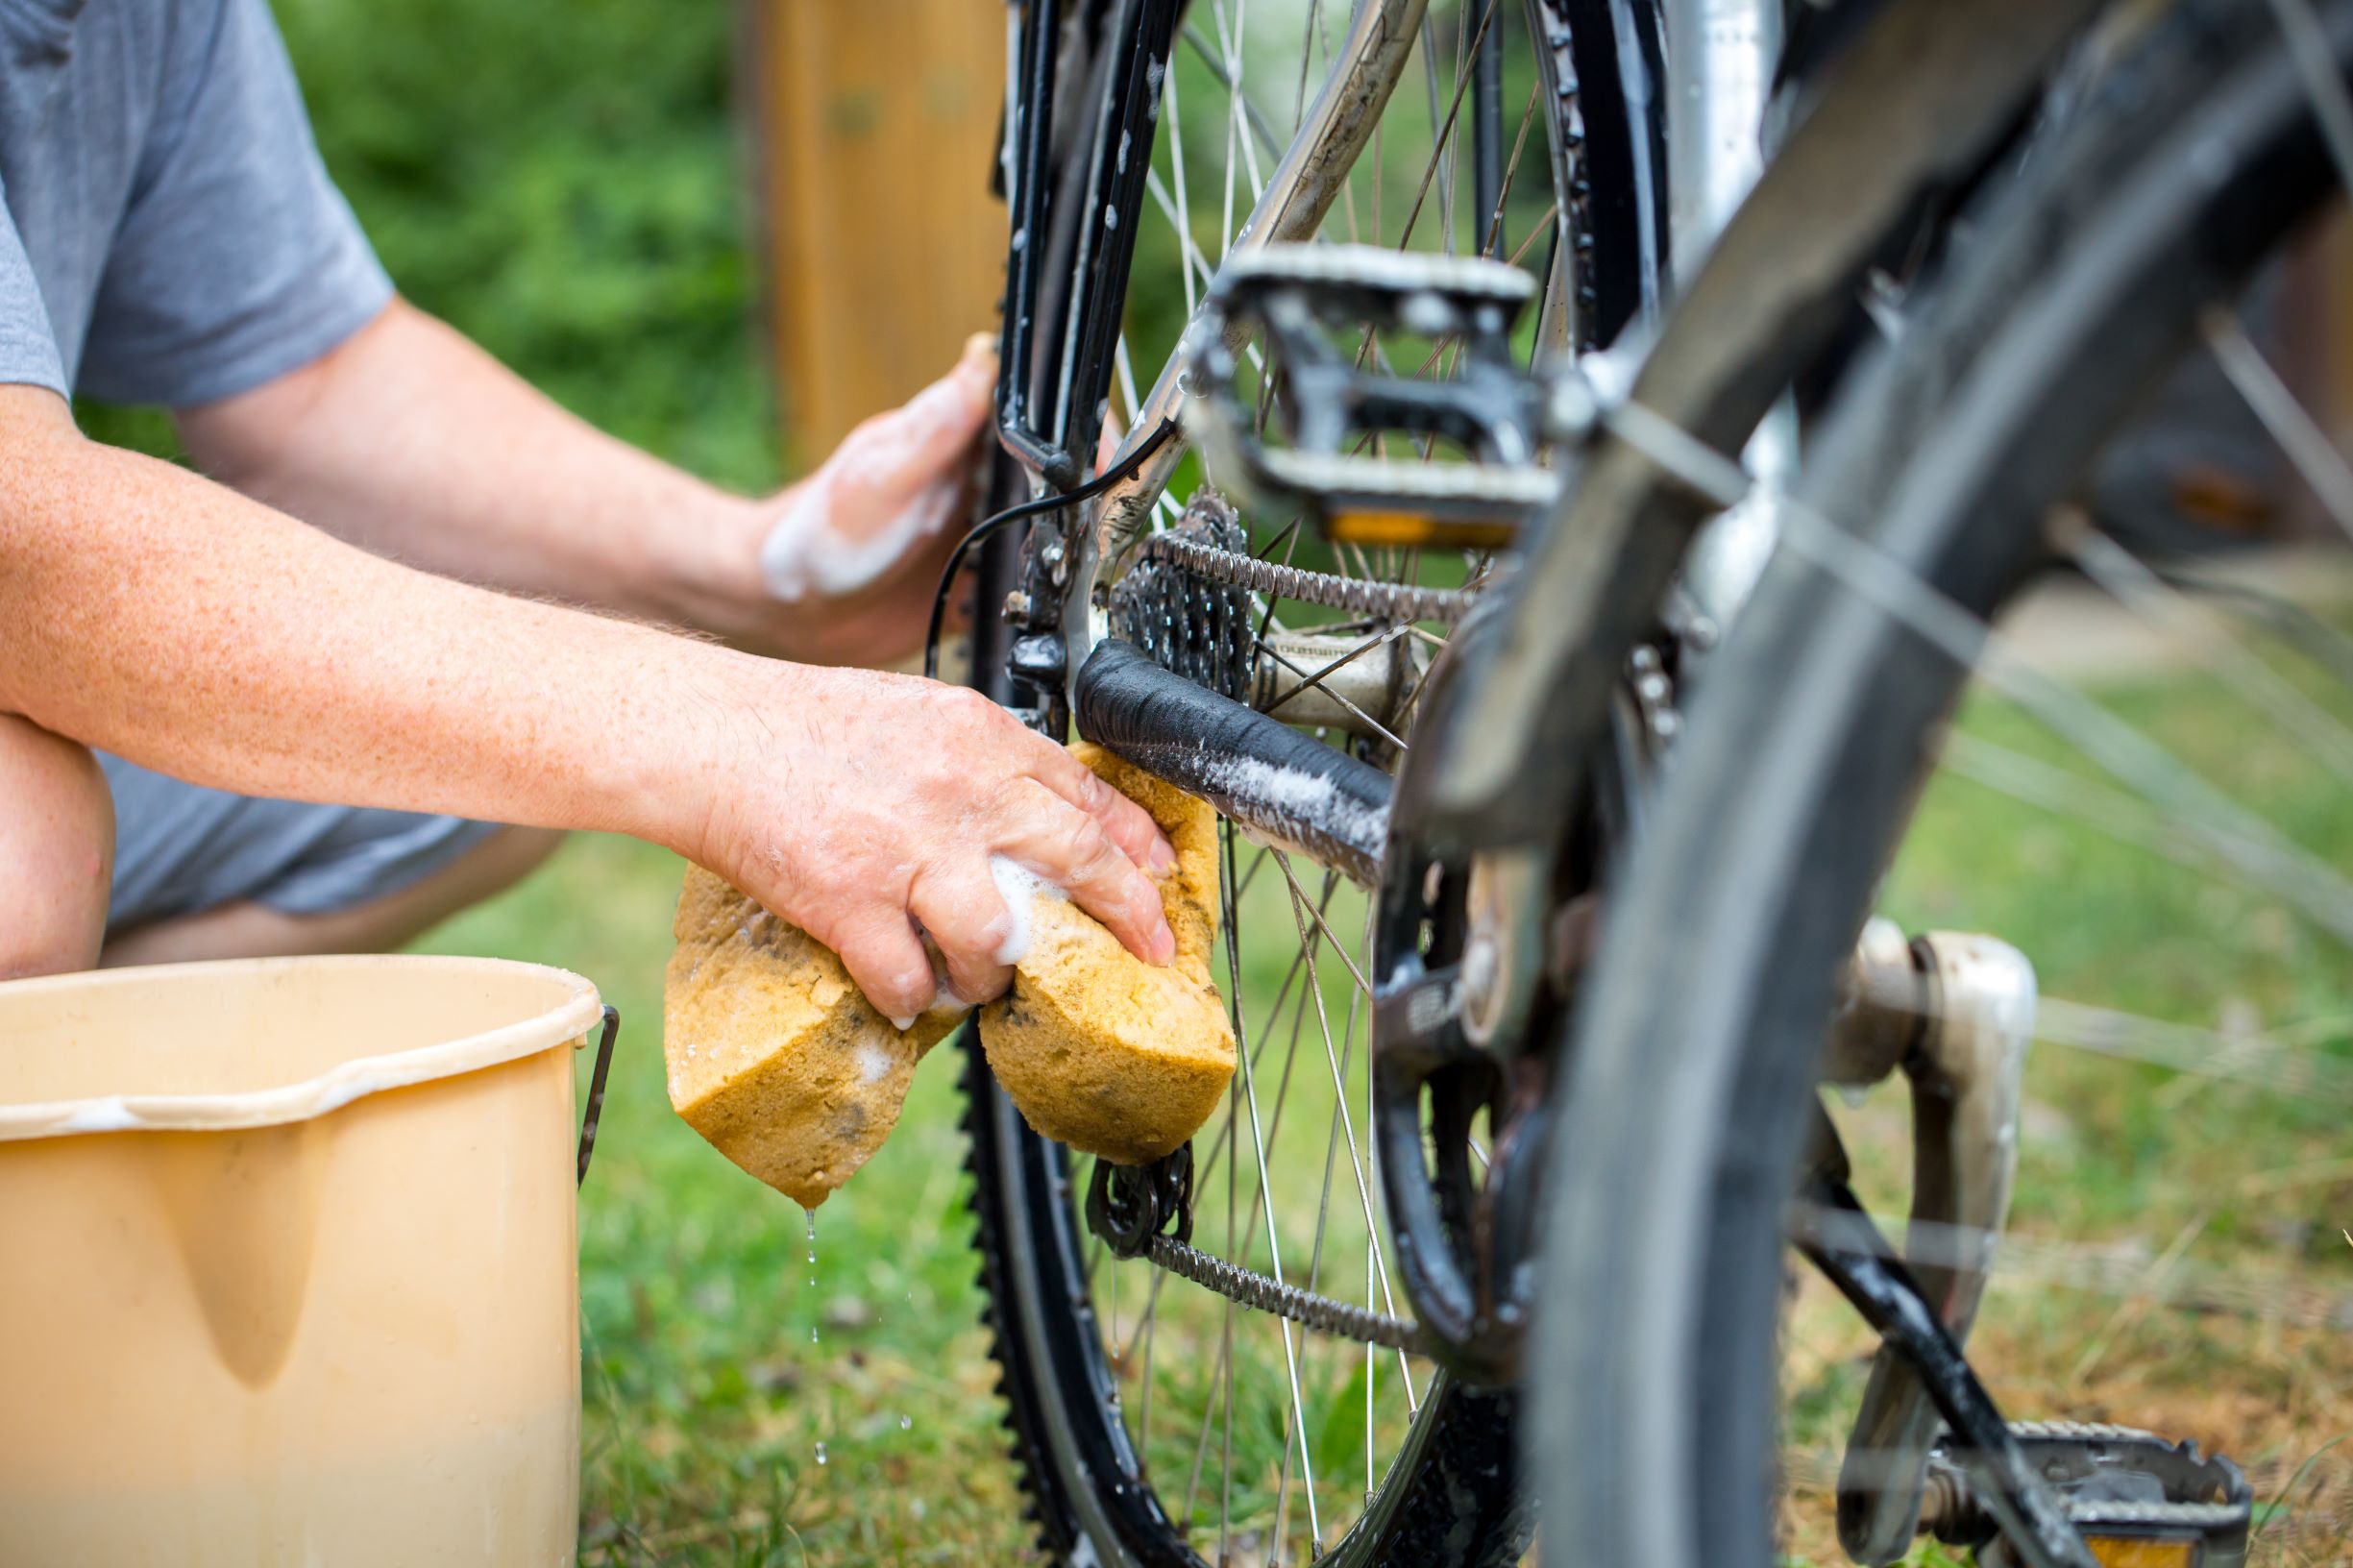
2141 807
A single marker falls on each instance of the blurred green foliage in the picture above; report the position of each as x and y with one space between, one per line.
563 183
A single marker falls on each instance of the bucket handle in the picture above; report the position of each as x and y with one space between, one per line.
595 1088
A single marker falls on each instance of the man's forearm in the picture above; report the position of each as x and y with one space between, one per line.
149 612
412 442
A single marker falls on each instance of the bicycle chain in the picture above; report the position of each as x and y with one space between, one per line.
1173 625
1247 1287
1386 601
1146 1212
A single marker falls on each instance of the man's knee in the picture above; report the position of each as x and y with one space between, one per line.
56 852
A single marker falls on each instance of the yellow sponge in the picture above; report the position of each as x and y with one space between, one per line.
774 1055
777 1059
1098 1049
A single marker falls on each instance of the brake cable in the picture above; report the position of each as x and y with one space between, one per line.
1124 468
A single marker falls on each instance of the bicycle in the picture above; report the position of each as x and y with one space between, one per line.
1539 732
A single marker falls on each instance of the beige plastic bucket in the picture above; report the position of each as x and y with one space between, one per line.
288 1268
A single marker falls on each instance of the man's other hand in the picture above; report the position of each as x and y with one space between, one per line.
849 558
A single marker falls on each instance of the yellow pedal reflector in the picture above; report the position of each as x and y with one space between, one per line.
1416 529
2142 1551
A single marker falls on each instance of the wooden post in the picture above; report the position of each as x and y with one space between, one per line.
876 127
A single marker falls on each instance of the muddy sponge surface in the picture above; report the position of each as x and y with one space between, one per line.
774 1055
1097 1049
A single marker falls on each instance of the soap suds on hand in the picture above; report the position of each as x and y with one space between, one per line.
1020 888
804 550
803 553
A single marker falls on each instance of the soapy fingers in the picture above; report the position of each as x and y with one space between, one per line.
1127 825
959 904
1072 850
886 958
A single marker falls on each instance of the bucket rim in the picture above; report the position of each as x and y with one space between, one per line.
567 1021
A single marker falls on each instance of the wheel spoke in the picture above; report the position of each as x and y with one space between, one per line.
2238 836
2133 584
2306 446
1274 1244
1376 1266
2315 61
1261 132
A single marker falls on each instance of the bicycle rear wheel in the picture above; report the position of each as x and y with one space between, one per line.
1155 1419
2169 849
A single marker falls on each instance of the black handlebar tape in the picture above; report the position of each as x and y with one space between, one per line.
1285 787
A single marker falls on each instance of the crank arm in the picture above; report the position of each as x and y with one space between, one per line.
1954 1013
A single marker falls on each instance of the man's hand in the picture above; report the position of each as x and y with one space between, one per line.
861 806
849 558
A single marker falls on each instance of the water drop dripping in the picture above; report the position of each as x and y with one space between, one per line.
821 1453
906 1423
813 1333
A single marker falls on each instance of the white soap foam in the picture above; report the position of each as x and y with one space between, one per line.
109 1114
903 1025
803 553
874 1064
1020 888
1298 793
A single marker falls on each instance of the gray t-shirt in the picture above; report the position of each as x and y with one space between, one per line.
167 231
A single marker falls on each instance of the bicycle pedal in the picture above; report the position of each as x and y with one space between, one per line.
2138 1500
1339 397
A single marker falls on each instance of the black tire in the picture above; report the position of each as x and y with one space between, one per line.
2073 287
